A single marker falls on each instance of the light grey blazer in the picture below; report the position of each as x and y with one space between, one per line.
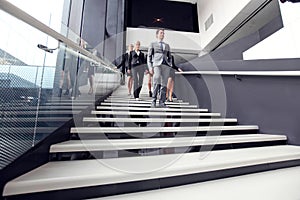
156 56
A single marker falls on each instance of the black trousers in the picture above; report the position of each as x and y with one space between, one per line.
122 81
138 77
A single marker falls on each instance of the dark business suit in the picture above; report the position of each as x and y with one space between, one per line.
124 65
138 68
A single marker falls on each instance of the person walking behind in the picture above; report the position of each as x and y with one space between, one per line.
159 63
137 68
150 84
91 73
171 79
150 80
124 65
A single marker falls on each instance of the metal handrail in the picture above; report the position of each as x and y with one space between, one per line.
28 19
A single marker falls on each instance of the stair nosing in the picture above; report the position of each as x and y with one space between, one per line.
152 109
101 172
83 130
162 120
154 113
123 144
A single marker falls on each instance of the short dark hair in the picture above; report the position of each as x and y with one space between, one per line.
160 29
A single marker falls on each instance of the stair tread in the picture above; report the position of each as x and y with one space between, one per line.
143 102
160 119
146 105
122 144
159 129
152 109
154 113
145 97
270 185
76 174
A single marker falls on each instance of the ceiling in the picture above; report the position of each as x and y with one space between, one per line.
172 15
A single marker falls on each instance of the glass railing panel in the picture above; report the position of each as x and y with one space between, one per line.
40 88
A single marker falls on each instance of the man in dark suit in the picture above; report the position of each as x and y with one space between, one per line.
137 67
124 66
159 63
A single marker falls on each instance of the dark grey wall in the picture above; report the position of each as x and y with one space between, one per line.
270 102
115 36
93 27
103 25
76 16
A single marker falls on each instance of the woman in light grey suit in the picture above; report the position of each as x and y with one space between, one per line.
159 63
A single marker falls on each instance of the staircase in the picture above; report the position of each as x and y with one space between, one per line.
125 146
21 118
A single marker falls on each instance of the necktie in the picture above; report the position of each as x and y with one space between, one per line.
161 46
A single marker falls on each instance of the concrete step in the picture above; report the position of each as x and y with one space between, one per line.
161 120
178 109
142 102
143 130
150 143
104 177
155 113
147 105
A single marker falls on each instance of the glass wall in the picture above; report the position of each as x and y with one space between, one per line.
43 88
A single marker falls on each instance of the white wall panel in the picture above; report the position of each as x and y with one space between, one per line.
226 16
285 42
181 41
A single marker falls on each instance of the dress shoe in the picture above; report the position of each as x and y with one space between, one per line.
67 92
162 105
150 94
153 105
59 92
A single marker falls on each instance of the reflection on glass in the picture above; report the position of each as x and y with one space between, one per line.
41 91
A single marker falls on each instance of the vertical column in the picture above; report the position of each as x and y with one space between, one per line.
114 35
103 26
93 24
